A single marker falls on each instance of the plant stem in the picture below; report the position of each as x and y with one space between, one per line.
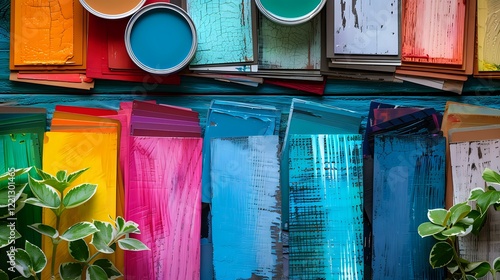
54 249
457 258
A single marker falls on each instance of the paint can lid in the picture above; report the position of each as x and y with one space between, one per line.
112 9
290 12
161 38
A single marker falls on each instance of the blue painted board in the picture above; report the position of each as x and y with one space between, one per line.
307 117
234 119
246 214
326 207
409 179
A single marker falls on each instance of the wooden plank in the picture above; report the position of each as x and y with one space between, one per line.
326 213
246 210
408 180
164 198
468 160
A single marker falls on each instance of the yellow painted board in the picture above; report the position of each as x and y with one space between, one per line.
73 151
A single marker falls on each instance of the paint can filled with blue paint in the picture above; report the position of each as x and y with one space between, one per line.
161 38
290 12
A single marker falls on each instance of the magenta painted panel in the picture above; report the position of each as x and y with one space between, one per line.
164 198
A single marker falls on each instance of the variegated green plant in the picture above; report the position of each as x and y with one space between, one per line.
460 220
49 192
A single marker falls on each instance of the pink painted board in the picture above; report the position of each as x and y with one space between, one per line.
165 200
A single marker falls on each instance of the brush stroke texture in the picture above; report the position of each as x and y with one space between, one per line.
408 180
308 117
326 209
246 214
235 119
73 151
468 160
164 198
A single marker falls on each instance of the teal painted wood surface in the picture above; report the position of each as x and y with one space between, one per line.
326 213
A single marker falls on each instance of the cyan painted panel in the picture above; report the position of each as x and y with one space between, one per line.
326 207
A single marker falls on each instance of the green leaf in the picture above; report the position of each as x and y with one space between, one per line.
34 201
3 275
23 262
496 264
478 269
441 254
6 212
438 216
5 176
440 236
457 229
459 211
70 271
475 193
103 237
428 229
120 223
452 266
6 234
73 176
95 272
61 175
78 231
491 176
44 175
79 250
38 259
45 230
131 244
79 195
111 271
485 200
47 195
10 196
129 227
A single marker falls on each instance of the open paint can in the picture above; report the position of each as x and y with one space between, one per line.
161 38
112 9
290 12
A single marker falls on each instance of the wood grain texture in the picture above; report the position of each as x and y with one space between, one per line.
191 85
246 214
164 198
468 160
408 180
326 209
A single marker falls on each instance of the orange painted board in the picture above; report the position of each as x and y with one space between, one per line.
83 85
433 31
36 42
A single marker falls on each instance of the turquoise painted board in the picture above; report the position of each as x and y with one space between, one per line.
235 119
246 215
409 179
307 117
224 29
326 207
468 161
290 46
21 150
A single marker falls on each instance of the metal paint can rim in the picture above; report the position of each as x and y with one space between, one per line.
111 16
290 21
171 7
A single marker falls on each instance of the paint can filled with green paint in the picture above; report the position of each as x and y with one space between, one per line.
161 38
290 12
